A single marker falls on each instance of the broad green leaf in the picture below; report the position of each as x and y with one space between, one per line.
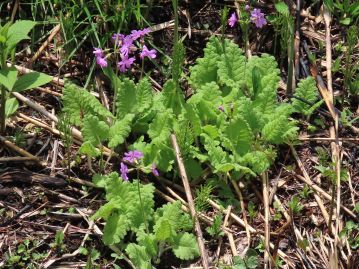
8 76
163 230
18 31
31 80
139 256
239 136
282 8
126 98
115 229
185 246
11 106
89 149
95 130
120 130
305 93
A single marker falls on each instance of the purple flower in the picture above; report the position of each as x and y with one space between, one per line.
232 20
257 17
98 52
132 156
118 37
147 53
124 171
221 108
101 61
125 64
154 170
127 43
136 34
247 7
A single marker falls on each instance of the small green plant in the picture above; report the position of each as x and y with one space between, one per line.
10 36
58 244
278 211
202 196
130 210
252 211
25 255
351 69
64 125
351 232
216 228
295 206
250 260
305 192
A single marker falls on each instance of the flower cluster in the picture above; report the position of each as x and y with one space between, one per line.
133 157
125 47
256 17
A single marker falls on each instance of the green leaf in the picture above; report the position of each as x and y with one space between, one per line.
89 149
160 129
78 103
239 136
282 8
126 98
115 229
11 106
307 93
185 246
232 66
95 130
18 31
163 230
205 70
143 95
31 80
120 130
252 259
8 76
139 256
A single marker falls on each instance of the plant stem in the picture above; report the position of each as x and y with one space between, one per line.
141 203
2 110
290 58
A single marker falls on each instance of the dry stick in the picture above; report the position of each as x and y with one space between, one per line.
187 188
265 186
224 225
240 196
45 44
297 40
19 159
14 10
20 150
330 139
334 134
306 179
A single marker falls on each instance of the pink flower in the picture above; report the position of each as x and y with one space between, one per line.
154 170
247 7
232 20
118 37
132 156
147 53
124 171
125 64
221 108
127 43
101 61
257 17
136 34
98 52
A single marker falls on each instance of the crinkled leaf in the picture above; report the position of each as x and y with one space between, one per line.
120 130
115 229
185 246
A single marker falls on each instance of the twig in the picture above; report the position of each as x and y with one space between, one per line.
224 225
44 45
240 196
187 188
20 150
265 186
